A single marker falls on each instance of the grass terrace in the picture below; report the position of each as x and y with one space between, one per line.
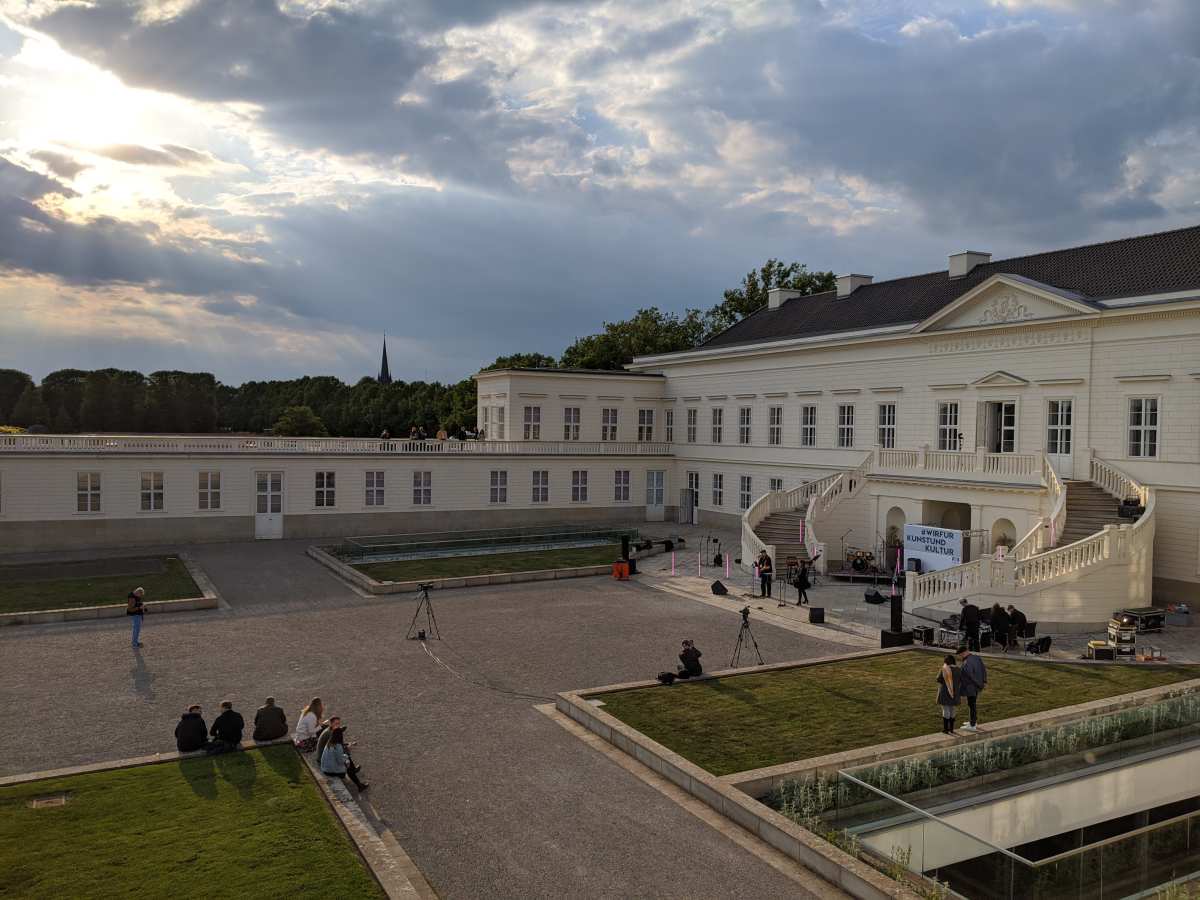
96 582
490 564
743 722
249 824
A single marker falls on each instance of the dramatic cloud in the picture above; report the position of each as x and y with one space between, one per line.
486 177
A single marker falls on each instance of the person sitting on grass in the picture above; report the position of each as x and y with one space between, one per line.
309 725
227 729
191 734
690 657
336 761
270 723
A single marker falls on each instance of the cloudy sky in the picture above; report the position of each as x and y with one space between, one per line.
258 188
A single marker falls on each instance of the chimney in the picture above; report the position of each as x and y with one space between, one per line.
848 284
961 264
776 296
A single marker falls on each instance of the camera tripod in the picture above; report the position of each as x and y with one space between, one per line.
743 633
431 628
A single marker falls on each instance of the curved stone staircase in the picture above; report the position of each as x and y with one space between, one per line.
1089 509
781 530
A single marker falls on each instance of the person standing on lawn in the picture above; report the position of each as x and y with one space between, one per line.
948 693
970 623
972 674
135 608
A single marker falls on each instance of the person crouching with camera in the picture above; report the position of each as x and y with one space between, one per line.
689 656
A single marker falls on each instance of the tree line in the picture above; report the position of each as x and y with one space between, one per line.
120 400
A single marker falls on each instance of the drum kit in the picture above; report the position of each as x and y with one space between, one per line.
861 561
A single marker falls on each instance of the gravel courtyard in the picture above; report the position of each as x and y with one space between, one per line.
487 795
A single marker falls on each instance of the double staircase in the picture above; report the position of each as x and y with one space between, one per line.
1089 509
781 530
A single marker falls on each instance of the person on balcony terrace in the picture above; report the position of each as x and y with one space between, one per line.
765 571
948 693
969 620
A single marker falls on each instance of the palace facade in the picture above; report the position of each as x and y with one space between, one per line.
1019 400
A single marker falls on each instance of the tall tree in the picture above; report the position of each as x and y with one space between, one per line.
63 389
12 385
751 294
524 361
94 410
299 421
650 331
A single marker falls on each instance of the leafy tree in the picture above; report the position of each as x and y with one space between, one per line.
94 410
650 331
64 390
12 385
63 423
524 361
30 408
751 294
300 421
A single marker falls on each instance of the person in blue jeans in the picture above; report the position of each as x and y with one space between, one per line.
136 610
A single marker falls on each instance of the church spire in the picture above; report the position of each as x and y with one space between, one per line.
385 377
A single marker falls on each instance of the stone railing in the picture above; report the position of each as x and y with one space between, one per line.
1045 531
1034 564
978 465
773 502
313 446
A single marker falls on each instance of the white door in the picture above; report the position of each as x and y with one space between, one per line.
656 482
268 509
1060 415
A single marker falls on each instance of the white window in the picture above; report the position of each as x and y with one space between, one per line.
718 492
744 414
608 424
152 491
325 489
1143 426
533 423
498 487
656 482
1008 427
692 416
579 493
744 493
621 485
571 423
949 437
887 426
1058 427
645 424
87 492
374 488
422 488
669 425
808 426
541 485
777 484
498 423
718 422
845 425
209 488
775 426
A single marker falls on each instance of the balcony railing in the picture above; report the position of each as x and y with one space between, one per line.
312 446
977 465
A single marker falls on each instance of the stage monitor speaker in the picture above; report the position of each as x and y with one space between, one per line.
719 589
895 639
816 615
874 597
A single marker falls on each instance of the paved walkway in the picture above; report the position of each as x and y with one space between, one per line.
488 796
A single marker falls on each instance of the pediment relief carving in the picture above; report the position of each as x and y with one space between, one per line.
1002 308
1003 302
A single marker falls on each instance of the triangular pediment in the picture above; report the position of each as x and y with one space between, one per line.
1006 300
1000 378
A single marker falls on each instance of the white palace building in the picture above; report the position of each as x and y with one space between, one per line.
1016 400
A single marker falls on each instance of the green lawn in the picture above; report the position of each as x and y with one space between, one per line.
101 590
239 825
750 721
490 564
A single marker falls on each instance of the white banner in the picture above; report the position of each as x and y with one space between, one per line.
936 548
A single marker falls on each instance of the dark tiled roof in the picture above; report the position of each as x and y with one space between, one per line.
1150 264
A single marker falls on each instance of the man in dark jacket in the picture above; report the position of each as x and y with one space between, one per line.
973 675
690 657
191 734
969 620
227 729
270 722
1016 625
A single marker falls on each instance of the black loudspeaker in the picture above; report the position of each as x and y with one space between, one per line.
897 613
874 597
719 589
895 639
816 615
624 546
